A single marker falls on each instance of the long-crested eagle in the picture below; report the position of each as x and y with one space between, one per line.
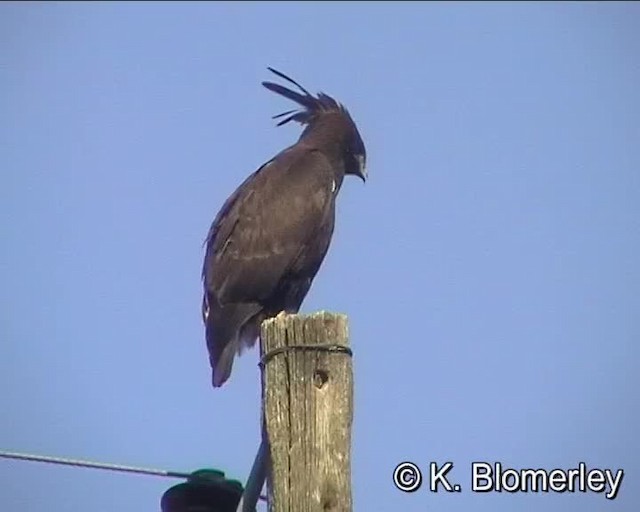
267 242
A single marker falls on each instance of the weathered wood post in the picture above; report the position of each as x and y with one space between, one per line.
307 404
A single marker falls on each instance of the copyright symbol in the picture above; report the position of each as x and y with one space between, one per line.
407 477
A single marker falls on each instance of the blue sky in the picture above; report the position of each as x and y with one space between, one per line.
489 267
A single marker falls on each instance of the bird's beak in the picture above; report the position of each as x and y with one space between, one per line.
362 169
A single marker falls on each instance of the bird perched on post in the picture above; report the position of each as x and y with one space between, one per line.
267 242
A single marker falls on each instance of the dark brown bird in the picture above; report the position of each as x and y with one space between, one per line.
266 244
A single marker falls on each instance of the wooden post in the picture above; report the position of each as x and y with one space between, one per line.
307 404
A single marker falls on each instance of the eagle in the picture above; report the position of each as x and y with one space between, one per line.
271 235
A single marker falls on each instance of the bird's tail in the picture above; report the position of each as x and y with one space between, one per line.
221 369
228 330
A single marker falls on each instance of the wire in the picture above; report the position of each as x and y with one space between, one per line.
95 465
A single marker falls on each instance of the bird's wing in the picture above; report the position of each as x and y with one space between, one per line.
267 226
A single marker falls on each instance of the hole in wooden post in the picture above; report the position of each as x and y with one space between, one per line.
329 499
320 378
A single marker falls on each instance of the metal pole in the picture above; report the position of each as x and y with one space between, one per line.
256 478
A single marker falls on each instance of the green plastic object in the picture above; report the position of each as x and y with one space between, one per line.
206 490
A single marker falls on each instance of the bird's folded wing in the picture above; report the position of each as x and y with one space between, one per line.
268 224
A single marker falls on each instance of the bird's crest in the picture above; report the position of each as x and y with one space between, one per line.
313 105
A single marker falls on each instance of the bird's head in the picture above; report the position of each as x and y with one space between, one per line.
327 120
355 154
